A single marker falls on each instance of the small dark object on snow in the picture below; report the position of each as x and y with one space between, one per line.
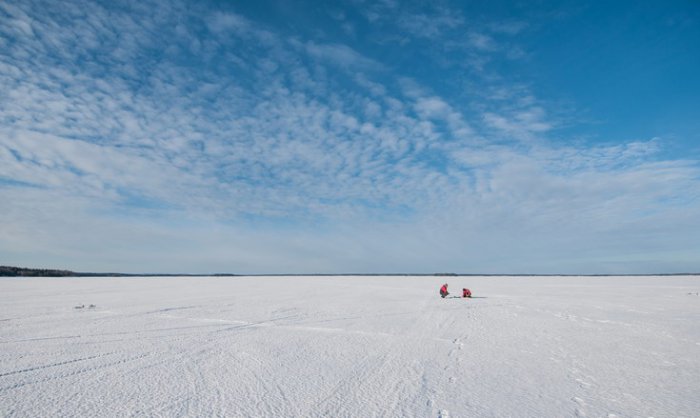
79 307
92 306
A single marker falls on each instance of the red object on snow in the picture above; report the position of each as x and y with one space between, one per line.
443 290
466 293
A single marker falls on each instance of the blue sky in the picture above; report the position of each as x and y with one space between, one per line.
350 136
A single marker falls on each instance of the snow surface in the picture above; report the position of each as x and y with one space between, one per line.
350 347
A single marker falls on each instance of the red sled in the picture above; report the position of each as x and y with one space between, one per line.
466 293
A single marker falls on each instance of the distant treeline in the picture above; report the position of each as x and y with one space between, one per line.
29 272
19 271
9 271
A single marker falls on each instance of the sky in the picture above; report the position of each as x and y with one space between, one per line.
350 136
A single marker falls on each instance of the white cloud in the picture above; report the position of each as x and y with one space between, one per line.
430 25
508 27
522 124
340 55
433 107
225 22
482 42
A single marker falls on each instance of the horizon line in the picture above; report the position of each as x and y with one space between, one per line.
70 273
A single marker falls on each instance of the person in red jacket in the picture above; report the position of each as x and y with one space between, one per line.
443 291
466 293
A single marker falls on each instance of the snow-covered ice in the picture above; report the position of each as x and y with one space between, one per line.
350 347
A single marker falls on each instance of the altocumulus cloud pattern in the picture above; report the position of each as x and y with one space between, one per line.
354 137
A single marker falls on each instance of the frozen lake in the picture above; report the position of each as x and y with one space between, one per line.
350 347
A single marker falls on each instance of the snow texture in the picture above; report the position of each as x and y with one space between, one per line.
350 347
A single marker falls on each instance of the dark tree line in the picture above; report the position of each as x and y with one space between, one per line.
25 272
9 271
